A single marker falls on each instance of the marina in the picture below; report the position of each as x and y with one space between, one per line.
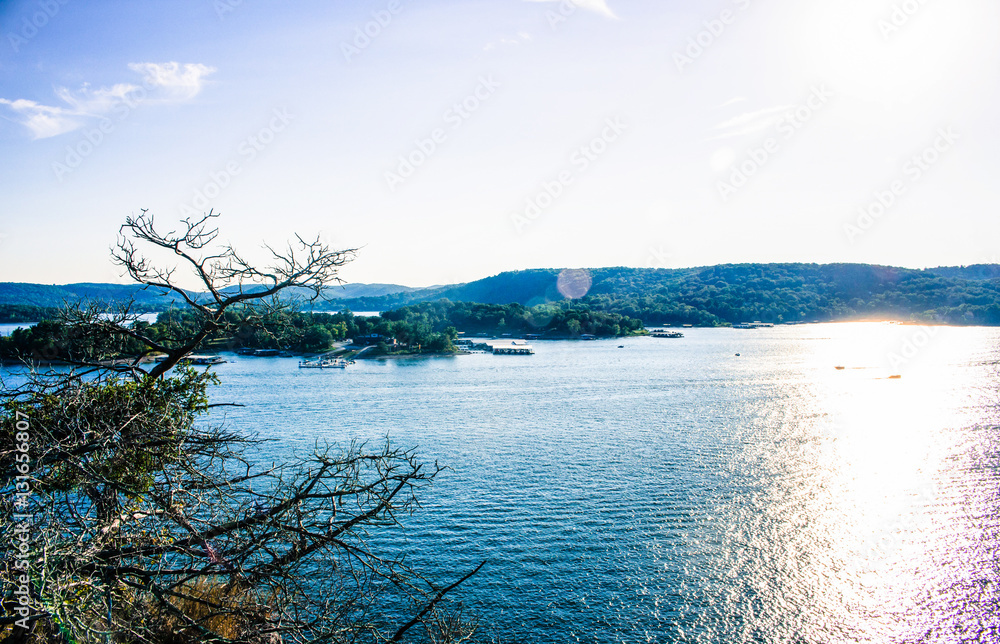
325 363
502 347
753 325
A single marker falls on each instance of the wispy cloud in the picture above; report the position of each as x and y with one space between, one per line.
177 82
597 6
161 83
750 122
88 102
42 120
734 100
522 37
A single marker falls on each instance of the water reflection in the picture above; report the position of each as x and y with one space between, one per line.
872 518
673 492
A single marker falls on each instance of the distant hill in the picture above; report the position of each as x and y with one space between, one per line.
52 295
973 272
708 295
732 293
44 295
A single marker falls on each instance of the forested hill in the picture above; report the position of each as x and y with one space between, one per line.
51 295
713 295
154 299
732 293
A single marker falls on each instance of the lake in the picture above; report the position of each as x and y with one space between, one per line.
7 328
673 491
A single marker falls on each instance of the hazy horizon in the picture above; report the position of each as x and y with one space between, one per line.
543 268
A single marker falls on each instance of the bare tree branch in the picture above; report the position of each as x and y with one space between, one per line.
143 508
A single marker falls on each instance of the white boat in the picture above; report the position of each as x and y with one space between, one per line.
325 363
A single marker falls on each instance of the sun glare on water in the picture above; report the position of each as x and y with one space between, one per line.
867 529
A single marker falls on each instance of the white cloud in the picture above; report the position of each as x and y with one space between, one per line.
87 102
42 120
597 6
177 81
522 37
750 122
162 83
734 100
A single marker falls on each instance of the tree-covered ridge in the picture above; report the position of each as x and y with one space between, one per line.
15 313
734 293
51 295
154 299
711 295
729 294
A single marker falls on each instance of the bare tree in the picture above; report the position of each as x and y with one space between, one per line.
228 279
145 523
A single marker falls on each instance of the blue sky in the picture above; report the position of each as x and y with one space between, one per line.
454 140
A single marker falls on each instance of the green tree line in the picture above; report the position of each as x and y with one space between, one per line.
420 328
16 313
732 293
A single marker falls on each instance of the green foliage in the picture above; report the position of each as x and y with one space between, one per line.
703 296
556 320
55 340
729 294
14 313
733 293
618 300
49 295
132 429
125 518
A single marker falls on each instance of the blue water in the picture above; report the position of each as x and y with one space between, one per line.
8 328
671 491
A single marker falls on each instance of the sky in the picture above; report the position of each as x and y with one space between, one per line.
452 140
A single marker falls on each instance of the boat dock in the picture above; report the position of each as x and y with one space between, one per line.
754 325
325 363
513 349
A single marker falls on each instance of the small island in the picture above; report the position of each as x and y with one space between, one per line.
429 328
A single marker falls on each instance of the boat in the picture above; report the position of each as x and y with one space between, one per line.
325 363
663 333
